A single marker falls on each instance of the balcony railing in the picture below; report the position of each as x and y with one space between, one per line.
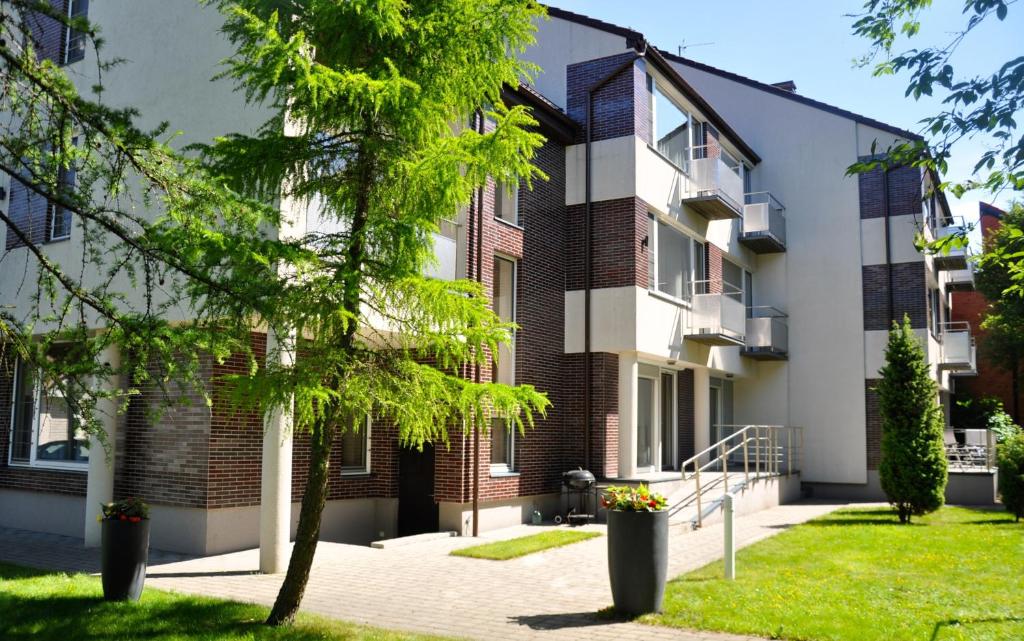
971 450
951 257
717 314
446 251
961 280
767 334
715 188
764 224
957 351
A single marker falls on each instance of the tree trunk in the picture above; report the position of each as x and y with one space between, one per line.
308 534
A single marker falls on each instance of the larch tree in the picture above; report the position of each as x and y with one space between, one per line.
378 107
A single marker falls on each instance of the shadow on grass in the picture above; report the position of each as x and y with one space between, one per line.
858 521
90 618
1007 522
961 623
565 620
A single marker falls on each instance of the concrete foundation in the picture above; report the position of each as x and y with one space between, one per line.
458 517
42 512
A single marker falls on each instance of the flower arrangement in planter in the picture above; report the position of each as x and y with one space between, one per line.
637 547
124 549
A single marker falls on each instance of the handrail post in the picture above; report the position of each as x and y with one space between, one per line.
700 511
757 451
801 451
789 452
725 472
746 461
773 441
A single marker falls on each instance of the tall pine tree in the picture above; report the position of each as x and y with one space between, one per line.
913 470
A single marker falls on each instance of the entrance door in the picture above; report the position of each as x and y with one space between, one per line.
716 415
417 510
668 451
644 423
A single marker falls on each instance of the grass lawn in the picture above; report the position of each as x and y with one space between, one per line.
859 575
513 548
46 606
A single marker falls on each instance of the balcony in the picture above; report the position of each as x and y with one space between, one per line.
767 335
446 251
957 352
951 257
961 280
717 315
715 188
764 225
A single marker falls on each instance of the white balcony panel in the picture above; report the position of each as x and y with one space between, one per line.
446 253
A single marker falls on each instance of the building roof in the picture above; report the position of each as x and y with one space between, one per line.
767 87
552 119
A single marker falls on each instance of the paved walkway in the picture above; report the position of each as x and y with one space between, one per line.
547 596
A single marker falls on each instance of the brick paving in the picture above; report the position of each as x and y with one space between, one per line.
551 595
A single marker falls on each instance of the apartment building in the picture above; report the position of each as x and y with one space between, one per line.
697 260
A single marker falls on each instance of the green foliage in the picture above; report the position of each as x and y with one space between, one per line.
913 469
987 104
1011 474
523 545
1003 427
626 498
130 509
971 413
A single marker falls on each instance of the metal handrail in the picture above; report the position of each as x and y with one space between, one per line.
728 289
763 437
954 326
758 197
766 311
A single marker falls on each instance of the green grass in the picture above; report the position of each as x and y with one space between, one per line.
46 606
957 574
513 548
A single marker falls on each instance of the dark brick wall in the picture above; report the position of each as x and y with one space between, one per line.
615 104
618 258
904 192
17 477
910 295
713 268
687 418
873 427
604 411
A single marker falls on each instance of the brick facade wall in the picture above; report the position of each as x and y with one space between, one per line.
618 258
604 412
904 192
615 105
713 256
910 295
687 424
873 427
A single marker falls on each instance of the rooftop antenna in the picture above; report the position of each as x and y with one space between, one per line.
683 47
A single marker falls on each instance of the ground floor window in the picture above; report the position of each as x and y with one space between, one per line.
45 430
503 437
355 449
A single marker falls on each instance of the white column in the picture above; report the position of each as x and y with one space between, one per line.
701 408
99 487
276 475
730 537
628 371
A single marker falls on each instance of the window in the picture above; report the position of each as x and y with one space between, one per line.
748 293
74 46
355 450
44 428
732 275
675 262
506 202
504 305
671 126
38 218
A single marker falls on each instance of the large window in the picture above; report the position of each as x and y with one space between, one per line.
44 428
504 305
671 126
674 259
355 449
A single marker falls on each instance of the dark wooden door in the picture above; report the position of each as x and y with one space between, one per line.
417 510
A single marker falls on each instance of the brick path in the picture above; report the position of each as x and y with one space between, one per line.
547 596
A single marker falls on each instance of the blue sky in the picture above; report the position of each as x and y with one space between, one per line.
810 42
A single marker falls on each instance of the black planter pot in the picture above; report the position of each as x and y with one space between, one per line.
125 553
638 560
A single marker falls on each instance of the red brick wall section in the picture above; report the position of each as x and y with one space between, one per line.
163 455
910 295
618 258
17 477
615 112
713 268
686 417
604 408
904 192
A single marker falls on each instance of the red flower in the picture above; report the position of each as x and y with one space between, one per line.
134 519
124 518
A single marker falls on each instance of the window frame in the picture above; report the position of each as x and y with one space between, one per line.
352 470
507 468
33 460
70 34
500 193
652 260
692 122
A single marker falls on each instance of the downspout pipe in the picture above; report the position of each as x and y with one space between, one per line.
641 47
888 247
479 277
